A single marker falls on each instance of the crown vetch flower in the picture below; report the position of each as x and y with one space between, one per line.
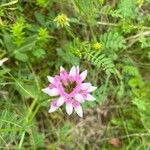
69 89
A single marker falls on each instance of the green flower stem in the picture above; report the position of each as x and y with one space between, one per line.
34 112
70 32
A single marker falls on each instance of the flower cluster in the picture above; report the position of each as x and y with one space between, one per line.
97 46
69 89
62 20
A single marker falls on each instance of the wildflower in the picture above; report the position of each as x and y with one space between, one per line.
97 46
2 61
69 89
78 53
62 20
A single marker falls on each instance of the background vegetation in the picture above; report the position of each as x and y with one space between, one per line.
110 38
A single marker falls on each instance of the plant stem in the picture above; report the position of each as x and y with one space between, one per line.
70 33
21 141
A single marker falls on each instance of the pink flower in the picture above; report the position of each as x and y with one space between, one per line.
69 89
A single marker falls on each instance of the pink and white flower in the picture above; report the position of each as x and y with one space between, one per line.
69 89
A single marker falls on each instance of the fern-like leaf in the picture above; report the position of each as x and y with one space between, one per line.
113 41
127 9
100 60
107 10
131 70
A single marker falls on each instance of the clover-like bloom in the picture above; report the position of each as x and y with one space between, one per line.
68 88
62 20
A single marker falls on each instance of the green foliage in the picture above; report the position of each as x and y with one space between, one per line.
113 41
68 56
43 36
42 3
10 122
130 70
84 7
39 53
145 42
20 53
100 61
127 9
107 10
18 31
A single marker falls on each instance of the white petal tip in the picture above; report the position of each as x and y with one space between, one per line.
79 111
50 79
78 69
90 97
51 110
54 92
69 109
46 90
92 88
61 68
83 75
2 61
72 71
60 101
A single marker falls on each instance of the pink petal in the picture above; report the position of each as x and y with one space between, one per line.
73 71
79 98
54 92
46 90
60 101
69 108
92 88
51 79
90 97
79 110
85 86
83 75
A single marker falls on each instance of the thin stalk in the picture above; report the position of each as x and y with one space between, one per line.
70 33
105 87
22 139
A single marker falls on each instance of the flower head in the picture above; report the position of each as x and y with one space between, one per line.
97 46
62 20
69 89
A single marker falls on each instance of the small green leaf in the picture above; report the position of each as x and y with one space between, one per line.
22 57
3 72
39 53
9 42
27 46
68 57
40 18
139 103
